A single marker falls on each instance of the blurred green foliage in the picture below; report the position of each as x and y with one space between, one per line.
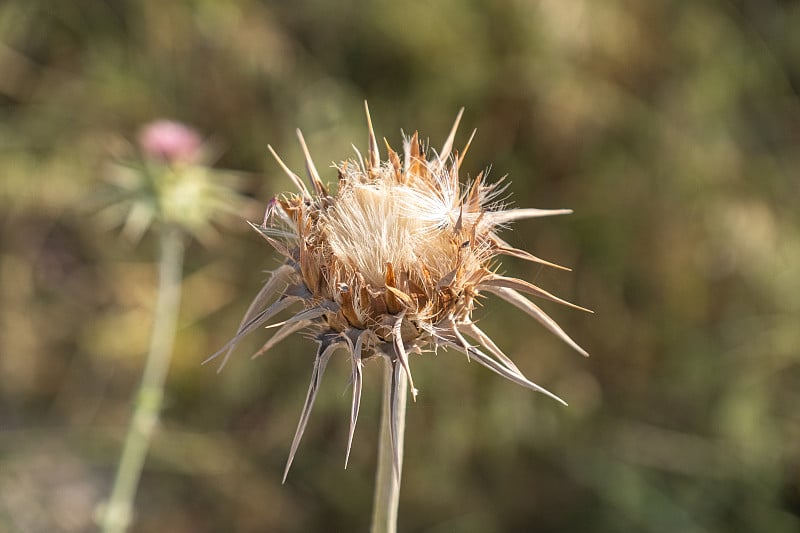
672 128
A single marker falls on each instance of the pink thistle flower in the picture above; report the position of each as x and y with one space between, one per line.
170 141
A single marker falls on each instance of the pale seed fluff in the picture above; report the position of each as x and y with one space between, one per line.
392 265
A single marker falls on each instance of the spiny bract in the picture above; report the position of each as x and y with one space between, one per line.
392 264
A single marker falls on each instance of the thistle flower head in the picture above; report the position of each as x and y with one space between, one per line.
171 182
392 264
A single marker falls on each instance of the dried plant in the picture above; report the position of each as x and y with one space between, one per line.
390 265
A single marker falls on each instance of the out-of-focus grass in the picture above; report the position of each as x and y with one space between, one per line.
670 127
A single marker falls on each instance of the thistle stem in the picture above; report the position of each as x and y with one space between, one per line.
119 509
387 480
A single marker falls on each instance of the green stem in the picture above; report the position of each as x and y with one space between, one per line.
119 509
387 481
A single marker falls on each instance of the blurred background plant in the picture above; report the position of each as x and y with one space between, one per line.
671 128
171 189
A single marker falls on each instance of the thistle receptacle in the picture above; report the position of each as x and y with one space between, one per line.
392 265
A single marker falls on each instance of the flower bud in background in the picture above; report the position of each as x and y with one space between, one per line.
170 141
170 182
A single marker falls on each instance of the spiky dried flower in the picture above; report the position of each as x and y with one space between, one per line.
392 265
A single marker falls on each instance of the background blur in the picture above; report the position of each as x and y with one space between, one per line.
672 128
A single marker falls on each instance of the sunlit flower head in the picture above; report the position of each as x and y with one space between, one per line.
392 265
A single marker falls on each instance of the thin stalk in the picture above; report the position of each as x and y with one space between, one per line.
387 480
119 509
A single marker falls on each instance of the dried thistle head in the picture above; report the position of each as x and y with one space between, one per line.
392 264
